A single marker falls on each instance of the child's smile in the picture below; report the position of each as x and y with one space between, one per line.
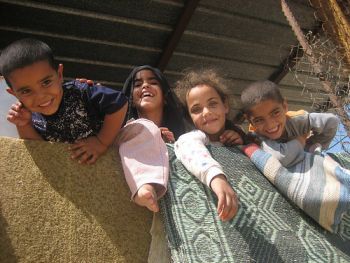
207 110
268 118
147 93
38 87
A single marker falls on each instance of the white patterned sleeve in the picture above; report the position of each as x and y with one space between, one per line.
191 150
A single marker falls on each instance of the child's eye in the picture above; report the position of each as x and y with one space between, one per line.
47 82
276 113
154 83
257 121
137 84
213 104
25 92
196 110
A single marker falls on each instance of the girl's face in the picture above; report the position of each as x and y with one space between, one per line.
147 93
207 110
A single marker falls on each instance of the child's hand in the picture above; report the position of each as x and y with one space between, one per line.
19 115
88 150
87 81
227 198
167 135
302 139
230 137
147 196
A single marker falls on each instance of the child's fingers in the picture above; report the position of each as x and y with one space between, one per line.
77 152
226 208
237 140
234 140
16 107
168 135
163 129
230 208
77 145
85 157
13 113
233 208
92 160
11 118
82 80
221 203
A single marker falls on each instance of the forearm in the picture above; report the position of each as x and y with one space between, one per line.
288 153
190 149
111 126
324 127
28 132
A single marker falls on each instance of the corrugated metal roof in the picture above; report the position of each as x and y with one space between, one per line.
246 40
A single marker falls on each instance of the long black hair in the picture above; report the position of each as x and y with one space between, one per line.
173 117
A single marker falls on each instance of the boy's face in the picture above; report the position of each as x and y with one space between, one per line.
207 110
38 86
269 118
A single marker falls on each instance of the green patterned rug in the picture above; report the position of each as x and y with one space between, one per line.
267 228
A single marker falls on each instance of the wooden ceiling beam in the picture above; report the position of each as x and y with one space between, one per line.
175 37
289 62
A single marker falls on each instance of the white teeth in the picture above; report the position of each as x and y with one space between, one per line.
147 94
45 104
272 130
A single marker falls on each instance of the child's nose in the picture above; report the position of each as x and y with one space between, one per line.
145 84
206 111
271 123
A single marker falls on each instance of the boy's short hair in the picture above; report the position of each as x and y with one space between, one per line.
260 91
22 53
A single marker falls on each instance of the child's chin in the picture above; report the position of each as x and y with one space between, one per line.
273 137
48 112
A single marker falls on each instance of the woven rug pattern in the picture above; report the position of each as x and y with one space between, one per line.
267 228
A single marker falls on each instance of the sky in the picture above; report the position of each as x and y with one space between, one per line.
8 129
340 141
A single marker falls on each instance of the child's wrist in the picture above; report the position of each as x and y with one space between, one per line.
219 176
101 142
25 125
250 149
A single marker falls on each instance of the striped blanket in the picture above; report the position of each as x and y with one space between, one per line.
318 184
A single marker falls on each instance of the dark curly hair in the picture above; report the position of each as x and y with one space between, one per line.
193 78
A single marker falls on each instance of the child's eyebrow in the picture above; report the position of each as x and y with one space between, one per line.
45 78
213 98
151 78
22 88
195 105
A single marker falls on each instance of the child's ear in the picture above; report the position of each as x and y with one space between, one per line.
227 108
245 115
10 91
60 72
285 105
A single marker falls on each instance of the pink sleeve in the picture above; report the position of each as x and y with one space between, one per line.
144 156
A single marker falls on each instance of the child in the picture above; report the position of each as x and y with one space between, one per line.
285 134
87 117
90 117
207 106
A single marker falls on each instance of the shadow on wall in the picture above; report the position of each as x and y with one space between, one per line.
8 252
